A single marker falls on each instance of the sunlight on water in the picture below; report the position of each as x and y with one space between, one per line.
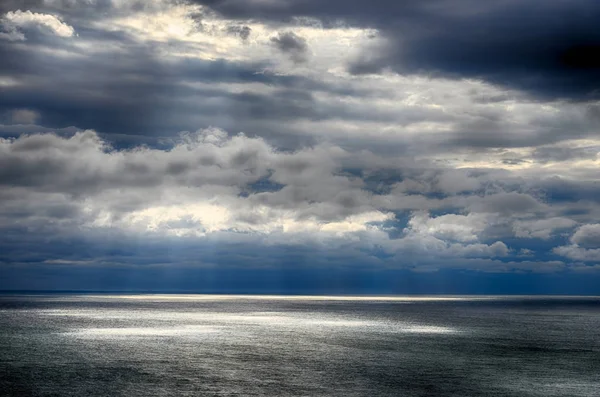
190 331
194 320
299 346
145 331
193 297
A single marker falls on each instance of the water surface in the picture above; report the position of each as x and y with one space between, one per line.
209 345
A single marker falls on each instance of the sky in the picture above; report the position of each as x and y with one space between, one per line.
300 146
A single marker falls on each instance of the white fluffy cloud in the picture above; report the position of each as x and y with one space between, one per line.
585 244
461 228
14 20
587 236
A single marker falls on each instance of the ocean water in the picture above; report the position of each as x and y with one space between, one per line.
195 345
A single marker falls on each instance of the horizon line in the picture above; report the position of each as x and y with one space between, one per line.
193 294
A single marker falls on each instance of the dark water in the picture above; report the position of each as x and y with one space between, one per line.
236 346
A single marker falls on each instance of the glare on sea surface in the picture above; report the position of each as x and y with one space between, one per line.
181 297
111 323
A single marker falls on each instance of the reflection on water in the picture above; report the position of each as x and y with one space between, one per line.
189 324
133 332
308 298
141 345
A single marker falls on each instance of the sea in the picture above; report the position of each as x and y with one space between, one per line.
227 345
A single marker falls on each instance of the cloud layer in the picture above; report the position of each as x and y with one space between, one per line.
442 135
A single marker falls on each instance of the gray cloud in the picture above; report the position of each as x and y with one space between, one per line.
151 97
587 236
292 44
106 96
242 31
553 154
81 182
541 228
546 49
386 170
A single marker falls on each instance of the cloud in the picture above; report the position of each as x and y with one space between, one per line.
587 236
24 116
461 228
203 78
585 244
507 203
577 253
291 44
15 20
541 228
211 186
546 49
242 31
560 153
181 135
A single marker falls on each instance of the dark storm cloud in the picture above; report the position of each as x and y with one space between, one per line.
292 44
139 93
550 49
133 92
141 64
